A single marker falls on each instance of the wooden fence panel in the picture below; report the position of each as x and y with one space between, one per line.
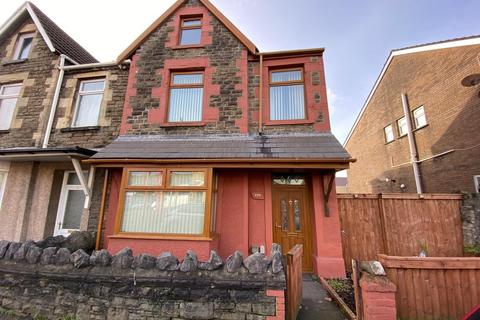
361 228
434 287
294 281
400 224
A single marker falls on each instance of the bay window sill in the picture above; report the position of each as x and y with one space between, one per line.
288 122
185 237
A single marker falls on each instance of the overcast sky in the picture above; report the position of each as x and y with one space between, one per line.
357 35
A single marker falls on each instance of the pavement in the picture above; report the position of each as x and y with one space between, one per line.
316 303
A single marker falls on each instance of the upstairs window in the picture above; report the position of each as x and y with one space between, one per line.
24 44
8 99
190 31
89 100
287 95
419 117
389 136
402 126
186 96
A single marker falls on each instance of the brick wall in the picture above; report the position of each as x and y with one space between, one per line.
432 79
378 298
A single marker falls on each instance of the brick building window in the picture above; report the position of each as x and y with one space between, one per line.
23 46
389 136
89 100
165 201
186 96
8 99
419 117
402 126
287 94
190 31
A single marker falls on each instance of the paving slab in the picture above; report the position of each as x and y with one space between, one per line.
314 305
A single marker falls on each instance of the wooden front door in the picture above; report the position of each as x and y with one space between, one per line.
291 220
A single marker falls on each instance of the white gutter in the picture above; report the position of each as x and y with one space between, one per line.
56 95
411 143
94 65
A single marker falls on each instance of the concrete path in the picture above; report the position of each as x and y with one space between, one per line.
314 306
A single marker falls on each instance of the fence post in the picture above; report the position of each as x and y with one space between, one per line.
383 225
378 298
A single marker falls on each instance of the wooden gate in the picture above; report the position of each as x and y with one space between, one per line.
294 281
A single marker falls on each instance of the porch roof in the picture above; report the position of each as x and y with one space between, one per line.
292 146
44 154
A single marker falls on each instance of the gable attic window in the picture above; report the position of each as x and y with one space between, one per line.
389 136
287 95
186 96
23 46
89 100
163 201
190 31
402 126
8 99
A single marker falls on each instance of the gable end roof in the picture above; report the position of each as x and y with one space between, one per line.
227 23
445 44
56 39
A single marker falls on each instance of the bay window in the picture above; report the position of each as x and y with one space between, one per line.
162 201
287 95
186 96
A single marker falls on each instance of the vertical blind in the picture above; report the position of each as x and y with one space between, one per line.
186 100
173 212
287 96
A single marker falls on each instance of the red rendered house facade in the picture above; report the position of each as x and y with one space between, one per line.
221 147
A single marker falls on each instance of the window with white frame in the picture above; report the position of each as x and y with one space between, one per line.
476 180
8 99
419 117
389 136
23 46
3 183
402 126
89 101
287 94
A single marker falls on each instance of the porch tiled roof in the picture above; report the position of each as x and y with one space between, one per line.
291 146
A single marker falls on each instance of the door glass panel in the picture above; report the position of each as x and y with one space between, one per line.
285 179
73 209
284 211
296 215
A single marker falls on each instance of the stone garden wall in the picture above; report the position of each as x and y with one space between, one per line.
55 282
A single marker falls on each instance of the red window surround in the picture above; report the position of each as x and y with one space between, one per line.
313 110
209 114
187 12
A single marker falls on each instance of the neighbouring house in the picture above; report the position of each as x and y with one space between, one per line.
418 129
58 105
221 147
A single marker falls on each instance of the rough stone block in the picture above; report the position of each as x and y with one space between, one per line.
3 247
80 259
190 262
33 255
101 258
123 259
144 261
234 262
167 261
196 310
62 257
256 263
48 255
12 248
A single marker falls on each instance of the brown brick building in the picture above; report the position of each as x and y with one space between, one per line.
445 117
